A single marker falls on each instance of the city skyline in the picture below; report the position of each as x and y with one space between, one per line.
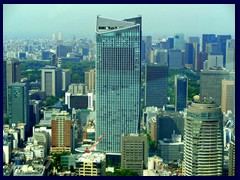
42 20
123 93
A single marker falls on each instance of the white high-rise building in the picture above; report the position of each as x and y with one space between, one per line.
179 42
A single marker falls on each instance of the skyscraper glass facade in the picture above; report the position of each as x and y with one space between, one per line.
181 92
203 140
118 81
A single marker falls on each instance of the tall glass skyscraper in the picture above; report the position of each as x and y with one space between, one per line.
118 80
18 104
156 76
181 92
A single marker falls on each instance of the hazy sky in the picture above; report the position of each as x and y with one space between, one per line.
80 19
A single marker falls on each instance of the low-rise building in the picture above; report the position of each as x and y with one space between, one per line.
91 164
29 170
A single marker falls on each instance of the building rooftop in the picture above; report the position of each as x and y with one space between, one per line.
106 24
29 170
92 157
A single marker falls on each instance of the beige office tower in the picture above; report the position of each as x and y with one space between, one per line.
59 36
51 79
90 80
231 162
203 139
228 96
53 36
66 79
211 83
134 152
91 164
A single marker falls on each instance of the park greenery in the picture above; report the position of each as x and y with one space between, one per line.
56 160
152 145
193 82
32 71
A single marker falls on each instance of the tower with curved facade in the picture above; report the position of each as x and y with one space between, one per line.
118 80
203 140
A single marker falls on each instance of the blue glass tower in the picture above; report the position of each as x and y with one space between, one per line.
118 80
181 92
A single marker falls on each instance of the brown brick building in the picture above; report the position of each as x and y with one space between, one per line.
61 132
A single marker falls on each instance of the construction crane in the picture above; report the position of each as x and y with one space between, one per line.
91 149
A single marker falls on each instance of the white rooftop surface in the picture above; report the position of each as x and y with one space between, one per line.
92 157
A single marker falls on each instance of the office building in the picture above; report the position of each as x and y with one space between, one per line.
222 41
118 81
134 152
181 92
53 36
211 83
215 60
61 132
51 78
63 50
60 36
91 101
13 71
203 141
188 55
7 152
34 112
161 56
230 54
91 164
22 55
75 89
167 122
156 77
171 149
193 40
78 101
148 46
228 96
175 59
170 43
66 79
90 80
179 42
208 38
212 48
152 56
46 55
12 74
149 113
202 56
42 137
18 104
196 49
